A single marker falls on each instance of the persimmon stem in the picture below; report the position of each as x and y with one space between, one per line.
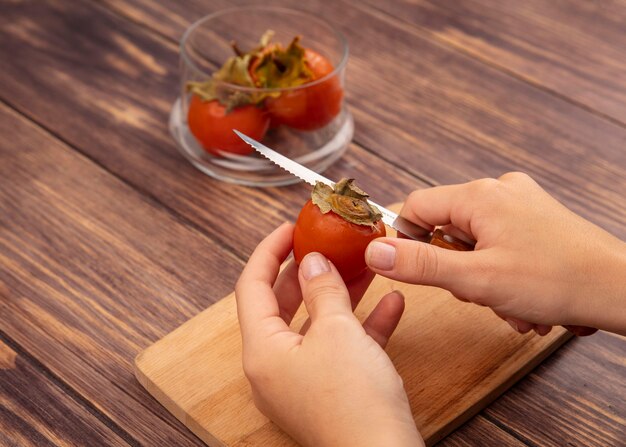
347 201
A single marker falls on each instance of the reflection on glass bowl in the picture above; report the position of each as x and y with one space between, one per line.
315 142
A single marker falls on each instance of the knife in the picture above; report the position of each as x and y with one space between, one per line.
399 223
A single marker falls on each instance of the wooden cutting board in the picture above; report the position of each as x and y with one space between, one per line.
454 358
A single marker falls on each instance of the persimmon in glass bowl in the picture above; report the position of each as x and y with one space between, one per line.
275 74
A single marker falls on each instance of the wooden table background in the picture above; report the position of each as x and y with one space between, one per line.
109 239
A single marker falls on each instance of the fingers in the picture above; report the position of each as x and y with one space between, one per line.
462 273
454 231
542 329
518 325
438 206
524 327
323 291
457 204
287 291
257 308
358 286
385 318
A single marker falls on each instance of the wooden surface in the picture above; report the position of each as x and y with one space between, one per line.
109 239
195 371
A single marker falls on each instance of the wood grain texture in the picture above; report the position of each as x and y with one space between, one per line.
573 48
450 370
448 118
480 432
36 412
118 84
468 122
105 85
577 378
92 272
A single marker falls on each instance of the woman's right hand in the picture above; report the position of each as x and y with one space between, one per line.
536 264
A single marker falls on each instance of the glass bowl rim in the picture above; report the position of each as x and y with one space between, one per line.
337 69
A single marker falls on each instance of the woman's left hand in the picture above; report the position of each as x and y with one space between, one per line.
332 384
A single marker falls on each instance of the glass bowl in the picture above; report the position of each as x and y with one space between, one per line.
308 123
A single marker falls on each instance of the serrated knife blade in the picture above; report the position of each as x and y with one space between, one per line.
311 177
390 218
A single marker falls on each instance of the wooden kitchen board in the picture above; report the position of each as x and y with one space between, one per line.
454 359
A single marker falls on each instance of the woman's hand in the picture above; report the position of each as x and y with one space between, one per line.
333 385
536 263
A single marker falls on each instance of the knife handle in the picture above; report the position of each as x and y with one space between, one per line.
441 239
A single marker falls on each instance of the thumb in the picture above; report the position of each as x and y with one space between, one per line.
323 291
419 263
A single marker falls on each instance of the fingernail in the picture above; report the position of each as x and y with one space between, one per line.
381 256
314 264
513 324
